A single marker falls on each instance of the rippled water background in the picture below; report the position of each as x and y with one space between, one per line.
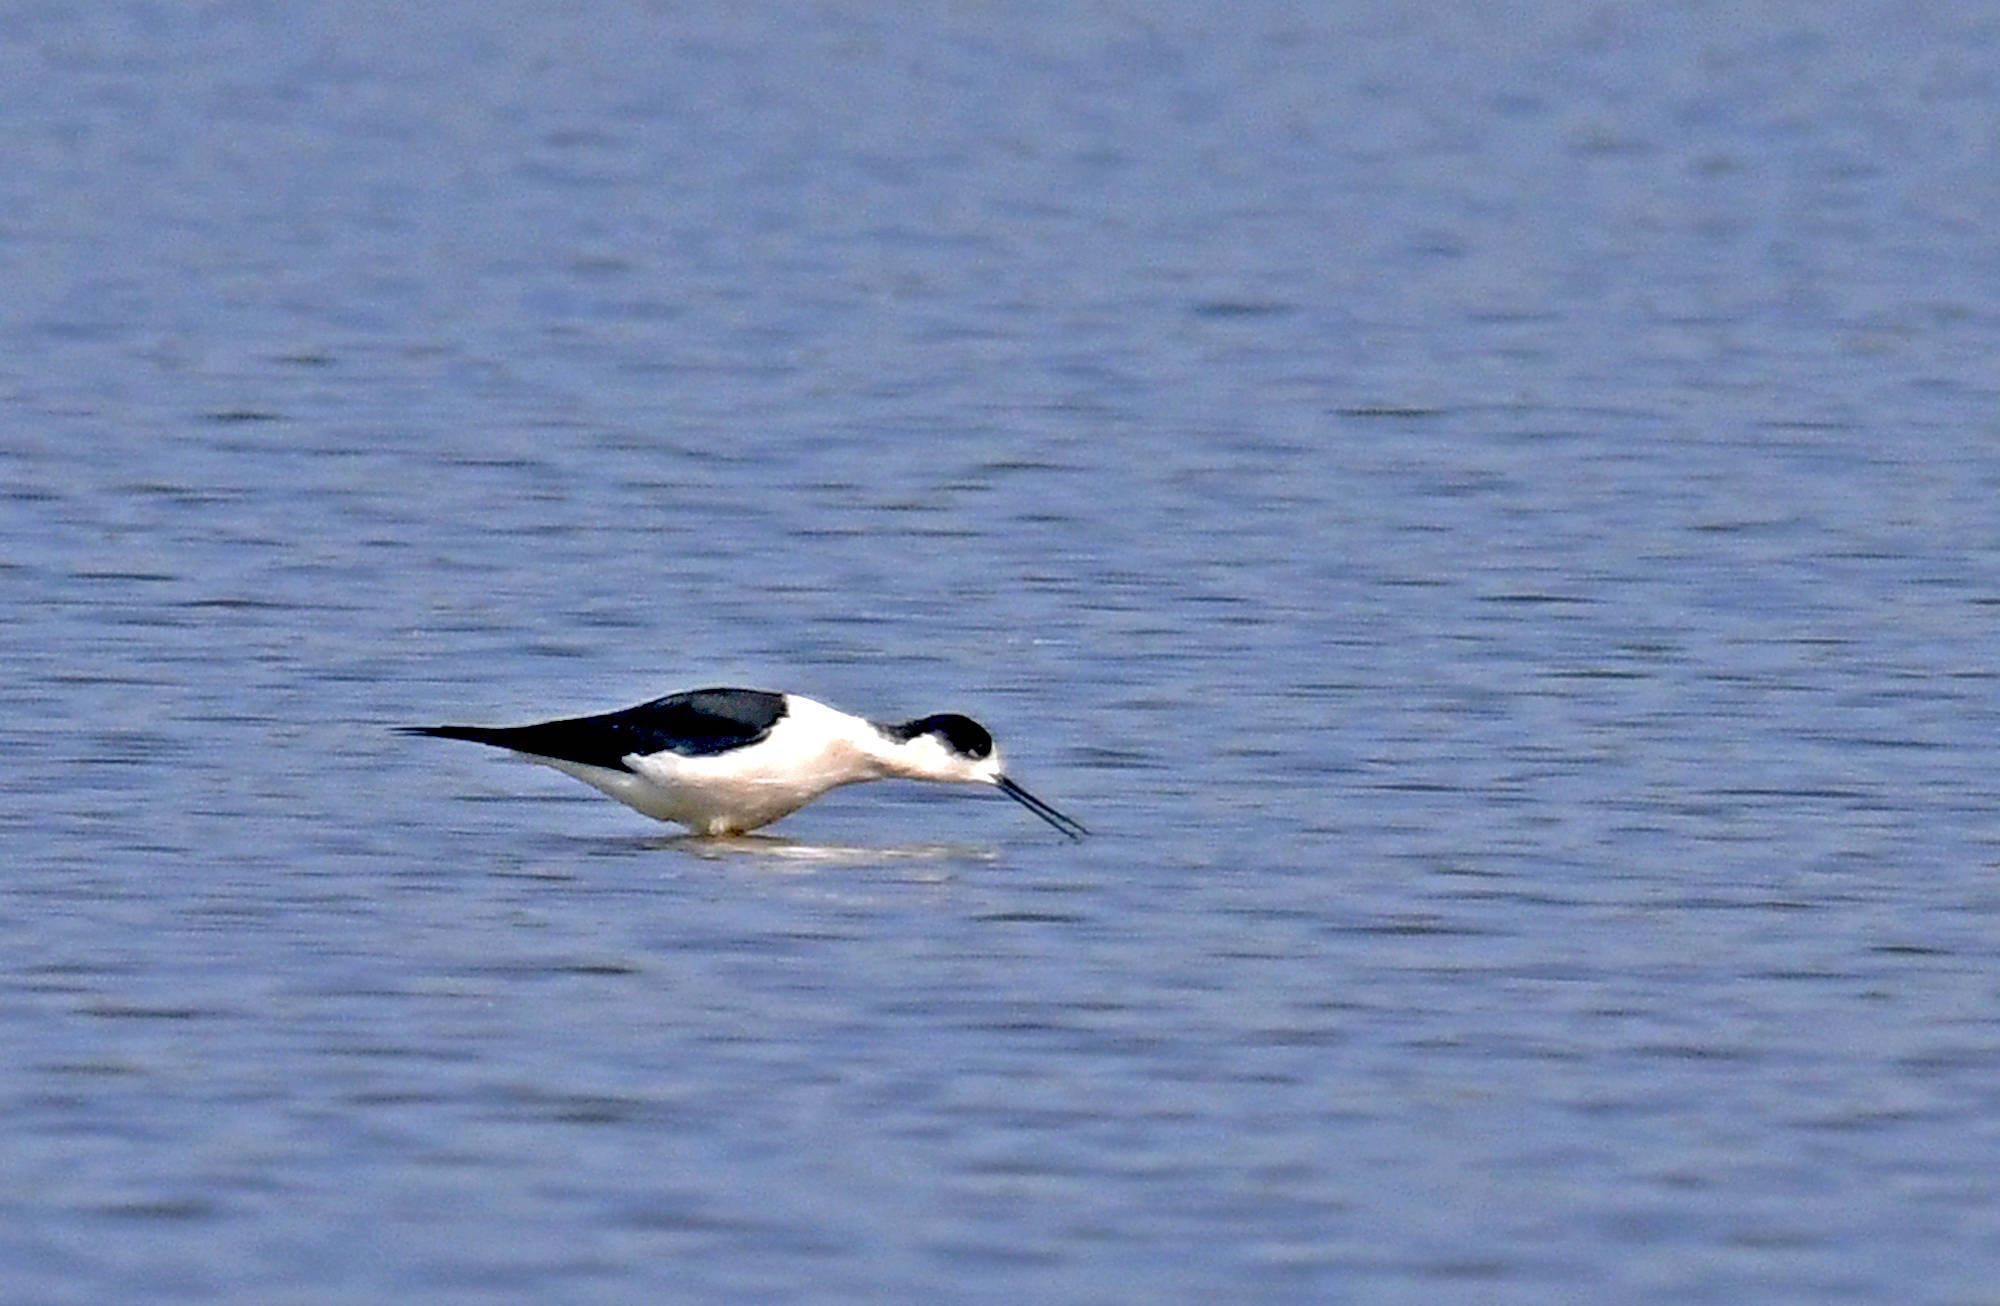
1491 515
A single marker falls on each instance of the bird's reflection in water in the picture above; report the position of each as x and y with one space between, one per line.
798 855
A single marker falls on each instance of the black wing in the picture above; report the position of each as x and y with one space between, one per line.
700 723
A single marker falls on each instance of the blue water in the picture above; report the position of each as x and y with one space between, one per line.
1490 516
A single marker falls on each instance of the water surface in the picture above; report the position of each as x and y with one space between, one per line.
1490 517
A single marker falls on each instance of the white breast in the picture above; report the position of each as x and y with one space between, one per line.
810 750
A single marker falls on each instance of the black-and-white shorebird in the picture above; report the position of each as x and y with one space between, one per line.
723 761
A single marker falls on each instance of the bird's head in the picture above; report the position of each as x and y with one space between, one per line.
958 750
947 747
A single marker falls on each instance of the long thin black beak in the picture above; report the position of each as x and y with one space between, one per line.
1071 828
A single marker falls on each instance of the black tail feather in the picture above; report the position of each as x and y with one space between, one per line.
494 735
701 723
595 741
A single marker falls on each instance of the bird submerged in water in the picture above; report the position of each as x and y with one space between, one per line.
724 761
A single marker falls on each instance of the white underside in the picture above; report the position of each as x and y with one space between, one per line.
810 750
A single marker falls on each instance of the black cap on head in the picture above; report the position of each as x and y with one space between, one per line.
961 734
